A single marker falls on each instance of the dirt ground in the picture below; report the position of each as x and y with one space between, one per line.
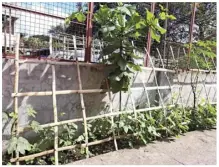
194 148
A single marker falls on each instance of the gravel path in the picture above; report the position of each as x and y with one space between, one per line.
194 148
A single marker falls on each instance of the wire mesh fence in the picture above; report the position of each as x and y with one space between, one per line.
35 21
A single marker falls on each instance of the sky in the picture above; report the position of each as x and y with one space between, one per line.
35 24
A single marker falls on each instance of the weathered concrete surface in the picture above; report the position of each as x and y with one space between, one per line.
195 148
38 77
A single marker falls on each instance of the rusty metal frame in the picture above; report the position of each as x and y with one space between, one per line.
191 32
149 37
89 28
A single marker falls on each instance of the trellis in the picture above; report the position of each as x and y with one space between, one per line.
81 91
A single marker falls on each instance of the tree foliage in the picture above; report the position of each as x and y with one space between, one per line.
116 27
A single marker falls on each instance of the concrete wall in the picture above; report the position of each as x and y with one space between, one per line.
35 77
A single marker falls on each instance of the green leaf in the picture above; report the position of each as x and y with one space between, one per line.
130 144
106 29
13 115
67 21
23 145
121 20
31 112
82 151
80 138
36 126
171 17
121 124
154 35
124 10
109 49
149 16
12 145
162 16
122 64
135 67
80 17
125 129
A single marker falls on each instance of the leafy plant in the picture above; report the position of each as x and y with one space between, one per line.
197 60
117 27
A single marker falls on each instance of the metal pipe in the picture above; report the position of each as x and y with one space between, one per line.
165 36
89 32
10 30
5 37
191 32
149 36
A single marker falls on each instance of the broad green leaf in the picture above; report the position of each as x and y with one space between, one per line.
134 67
122 64
125 129
121 20
149 16
121 124
23 145
154 35
80 138
124 10
12 145
108 29
36 126
80 17
162 16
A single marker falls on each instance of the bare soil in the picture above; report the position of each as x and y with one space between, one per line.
194 148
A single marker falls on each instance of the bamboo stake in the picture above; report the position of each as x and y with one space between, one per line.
165 73
202 79
16 82
95 117
111 111
28 157
55 114
212 78
133 105
64 92
155 78
177 73
83 110
68 148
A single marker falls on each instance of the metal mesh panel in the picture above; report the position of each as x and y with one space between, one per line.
35 21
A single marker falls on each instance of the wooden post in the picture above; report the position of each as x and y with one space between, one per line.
55 114
16 83
83 110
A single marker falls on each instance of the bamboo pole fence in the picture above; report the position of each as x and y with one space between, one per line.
80 91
